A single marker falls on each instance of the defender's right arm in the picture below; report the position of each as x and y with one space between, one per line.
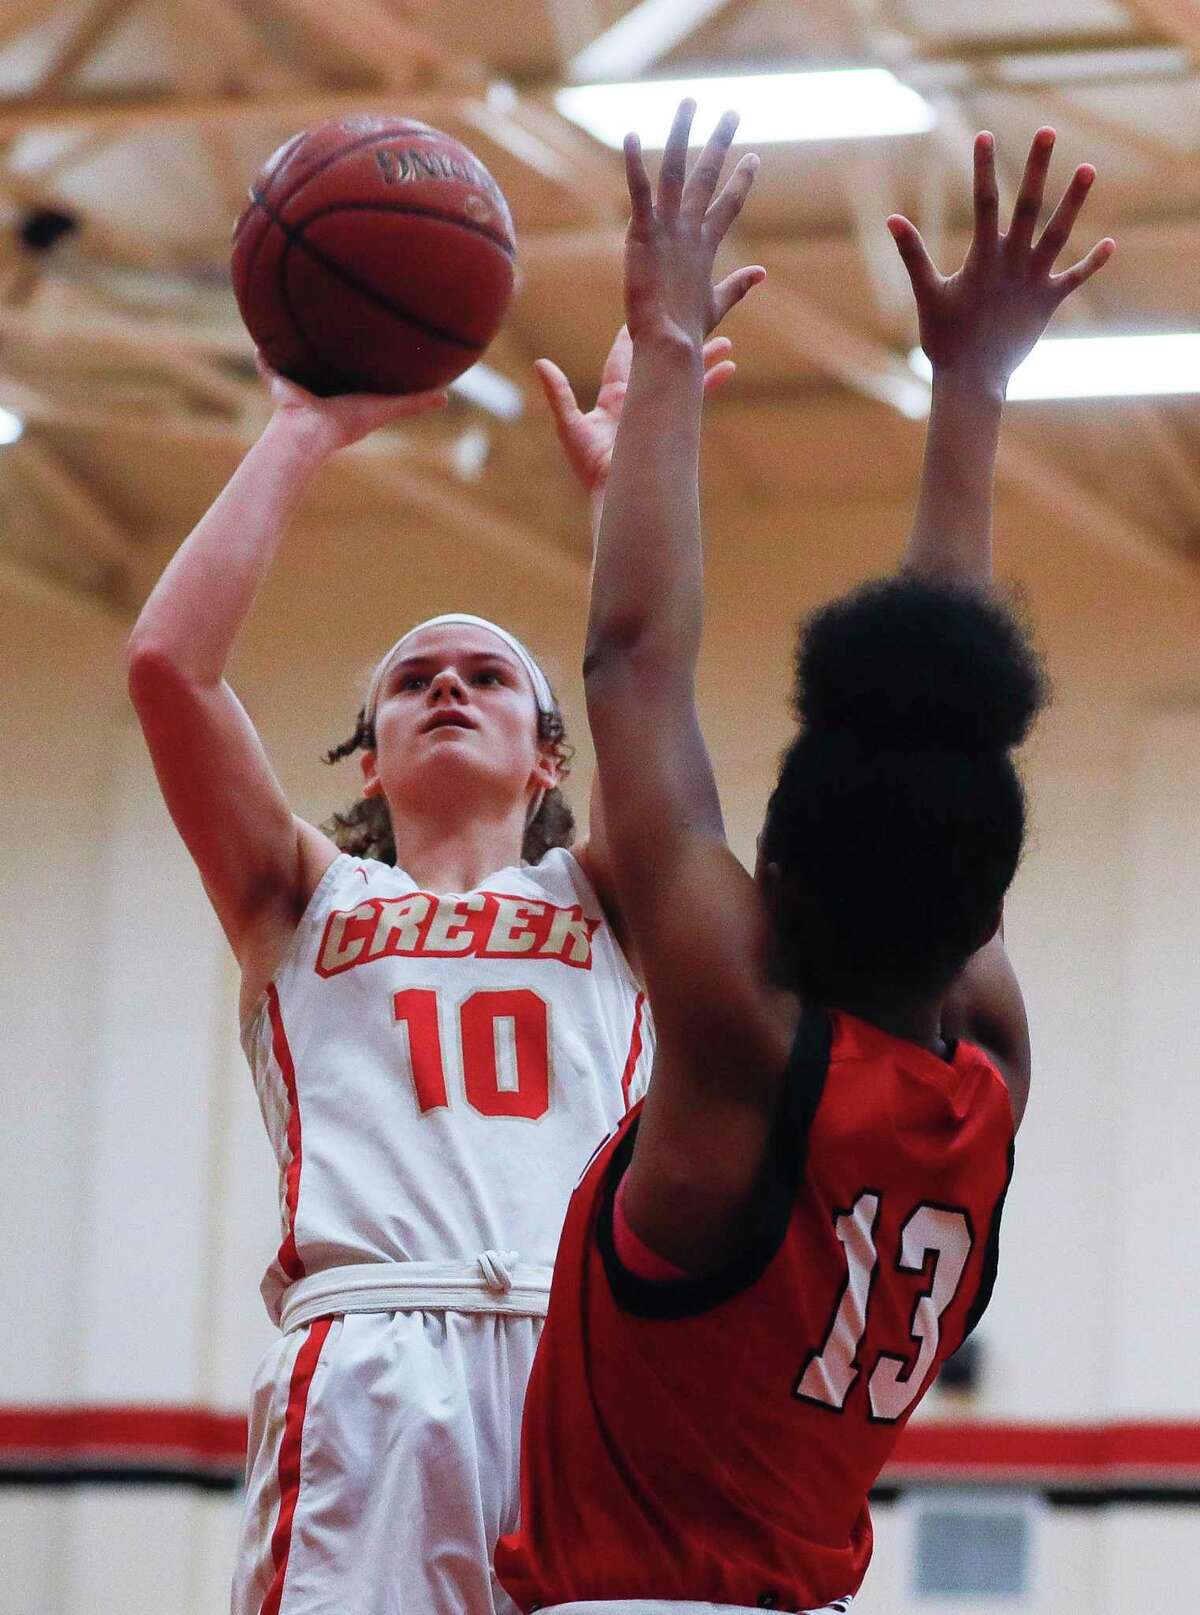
258 863
977 325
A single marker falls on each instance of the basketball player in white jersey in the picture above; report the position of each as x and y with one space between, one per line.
438 1042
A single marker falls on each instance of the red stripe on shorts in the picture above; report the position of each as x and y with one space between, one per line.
289 1256
289 1459
635 1048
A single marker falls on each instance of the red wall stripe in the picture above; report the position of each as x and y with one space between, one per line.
928 1449
289 1256
289 1459
53 1435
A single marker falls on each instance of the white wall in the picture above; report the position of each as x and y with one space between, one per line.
139 1193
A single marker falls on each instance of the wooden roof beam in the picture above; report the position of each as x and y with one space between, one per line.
84 38
21 577
370 33
642 37
84 519
1177 19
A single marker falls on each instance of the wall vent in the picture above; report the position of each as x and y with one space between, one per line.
973 1547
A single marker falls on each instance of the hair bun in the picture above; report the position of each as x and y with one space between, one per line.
904 662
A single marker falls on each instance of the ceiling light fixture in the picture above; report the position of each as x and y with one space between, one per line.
1102 367
852 104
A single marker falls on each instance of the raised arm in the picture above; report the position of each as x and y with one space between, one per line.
257 862
977 325
587 440
695 914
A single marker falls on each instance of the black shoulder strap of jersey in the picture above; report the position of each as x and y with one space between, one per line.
800 1095
783 1172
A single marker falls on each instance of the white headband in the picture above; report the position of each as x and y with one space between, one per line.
541 685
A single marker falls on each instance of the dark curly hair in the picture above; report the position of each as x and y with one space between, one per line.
365 828
897 821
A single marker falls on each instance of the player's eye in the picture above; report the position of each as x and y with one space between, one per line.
488 676
412 681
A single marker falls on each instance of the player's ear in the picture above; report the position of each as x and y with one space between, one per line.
370 774
545 770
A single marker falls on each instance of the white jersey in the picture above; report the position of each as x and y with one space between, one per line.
435 1071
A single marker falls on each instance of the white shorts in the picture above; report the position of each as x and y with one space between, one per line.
383 1465
674 1606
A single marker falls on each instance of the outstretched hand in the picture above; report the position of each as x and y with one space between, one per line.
985 318
673 238
588 438
347 417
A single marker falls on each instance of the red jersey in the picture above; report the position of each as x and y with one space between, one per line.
715 1438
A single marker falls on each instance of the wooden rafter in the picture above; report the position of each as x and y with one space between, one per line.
83 517
21 577
1177 19
91 29
388 49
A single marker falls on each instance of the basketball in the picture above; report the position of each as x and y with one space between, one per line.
373 255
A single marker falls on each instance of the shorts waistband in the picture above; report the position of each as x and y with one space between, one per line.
496 1281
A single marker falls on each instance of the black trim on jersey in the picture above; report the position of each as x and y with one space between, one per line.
991 1255
855 1364
774 1199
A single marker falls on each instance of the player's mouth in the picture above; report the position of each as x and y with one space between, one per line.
448 720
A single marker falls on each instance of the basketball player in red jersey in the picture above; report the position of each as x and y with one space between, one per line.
440 1023
761 1271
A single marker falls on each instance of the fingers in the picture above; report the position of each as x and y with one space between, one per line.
718 375
418 404
1062 221
728 205
734 287
706 175
558 390
986 195
1071 279
914 255
641 198
716 348
1032 190
674 162
620 356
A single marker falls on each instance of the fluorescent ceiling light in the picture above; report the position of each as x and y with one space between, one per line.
848 105
11 426
1102 366
491 391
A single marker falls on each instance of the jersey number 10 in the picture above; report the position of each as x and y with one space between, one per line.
487 1023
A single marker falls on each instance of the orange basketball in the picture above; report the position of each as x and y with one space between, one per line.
373 255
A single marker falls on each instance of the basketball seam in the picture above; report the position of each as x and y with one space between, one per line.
336 156
328 368
335 269
494 236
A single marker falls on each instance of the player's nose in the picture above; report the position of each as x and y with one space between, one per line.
447 685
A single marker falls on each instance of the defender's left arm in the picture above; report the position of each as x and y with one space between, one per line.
976 326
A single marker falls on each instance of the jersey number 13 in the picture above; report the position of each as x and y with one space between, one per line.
829 1375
